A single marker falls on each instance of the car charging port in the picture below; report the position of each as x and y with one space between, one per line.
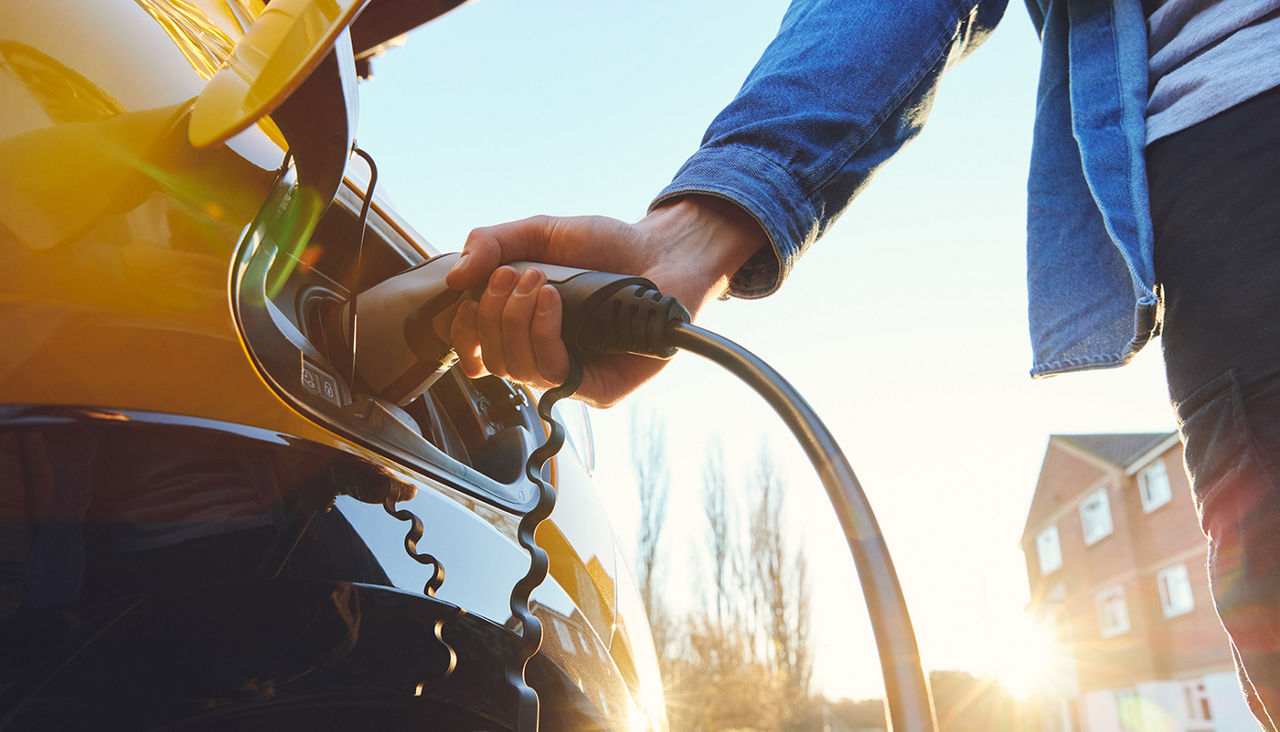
318 311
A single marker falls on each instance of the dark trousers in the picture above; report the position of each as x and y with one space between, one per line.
1215 202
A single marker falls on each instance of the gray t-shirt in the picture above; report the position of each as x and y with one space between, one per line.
1207 56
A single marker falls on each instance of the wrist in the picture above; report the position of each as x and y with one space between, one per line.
710 236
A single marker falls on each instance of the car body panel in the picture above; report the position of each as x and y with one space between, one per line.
121 239
285 43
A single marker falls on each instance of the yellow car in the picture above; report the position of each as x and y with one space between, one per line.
203 516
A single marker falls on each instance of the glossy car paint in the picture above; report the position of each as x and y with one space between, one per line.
285 43
118 238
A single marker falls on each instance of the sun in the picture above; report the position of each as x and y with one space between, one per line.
1023 656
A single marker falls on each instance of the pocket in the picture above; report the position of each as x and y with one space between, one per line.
1237 498
1217 445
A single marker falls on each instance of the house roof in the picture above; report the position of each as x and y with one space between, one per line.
1122 450
1118 449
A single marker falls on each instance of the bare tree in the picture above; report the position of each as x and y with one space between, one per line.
799 663
767 558
724 545
780 590
716 685
653 477
744 659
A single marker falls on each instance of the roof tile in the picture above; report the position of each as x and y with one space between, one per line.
1118 449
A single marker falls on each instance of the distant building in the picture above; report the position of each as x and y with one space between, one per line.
1116 564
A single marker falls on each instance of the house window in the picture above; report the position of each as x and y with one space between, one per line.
1153 486
1175 590
1129 706
1113 614
566 636
1196 698
1048 550
1095 516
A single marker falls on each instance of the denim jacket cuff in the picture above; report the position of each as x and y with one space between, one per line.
763 189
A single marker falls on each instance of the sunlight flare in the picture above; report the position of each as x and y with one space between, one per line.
1024 655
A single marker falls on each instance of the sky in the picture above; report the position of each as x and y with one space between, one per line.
905 326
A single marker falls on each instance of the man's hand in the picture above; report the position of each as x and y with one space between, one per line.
689 249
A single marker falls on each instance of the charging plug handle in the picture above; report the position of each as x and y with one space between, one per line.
402 341
608 313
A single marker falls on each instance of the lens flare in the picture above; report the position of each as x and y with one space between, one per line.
1025 656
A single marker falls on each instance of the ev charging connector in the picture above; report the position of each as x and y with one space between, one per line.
405 320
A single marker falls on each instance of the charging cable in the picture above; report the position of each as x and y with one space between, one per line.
627 316
905 685
404 332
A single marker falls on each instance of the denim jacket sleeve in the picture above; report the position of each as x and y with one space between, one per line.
841 88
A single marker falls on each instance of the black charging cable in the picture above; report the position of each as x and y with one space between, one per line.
631 316
530 626
356 283
406 320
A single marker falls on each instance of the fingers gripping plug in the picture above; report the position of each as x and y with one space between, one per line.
609 313
402 343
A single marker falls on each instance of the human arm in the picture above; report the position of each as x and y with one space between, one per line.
843 86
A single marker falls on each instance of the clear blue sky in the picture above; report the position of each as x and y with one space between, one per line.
905 326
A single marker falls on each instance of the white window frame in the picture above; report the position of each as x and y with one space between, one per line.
1095 517
1174 584
1113 611
1197 699
1153 486
566 636
1050 559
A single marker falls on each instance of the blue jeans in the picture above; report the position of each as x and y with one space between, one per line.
1215 201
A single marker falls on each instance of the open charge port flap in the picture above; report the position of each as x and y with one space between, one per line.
476 435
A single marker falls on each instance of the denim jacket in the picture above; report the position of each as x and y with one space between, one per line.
846 83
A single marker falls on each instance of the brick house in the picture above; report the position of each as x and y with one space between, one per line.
1116 566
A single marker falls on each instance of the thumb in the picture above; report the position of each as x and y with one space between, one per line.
490 247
